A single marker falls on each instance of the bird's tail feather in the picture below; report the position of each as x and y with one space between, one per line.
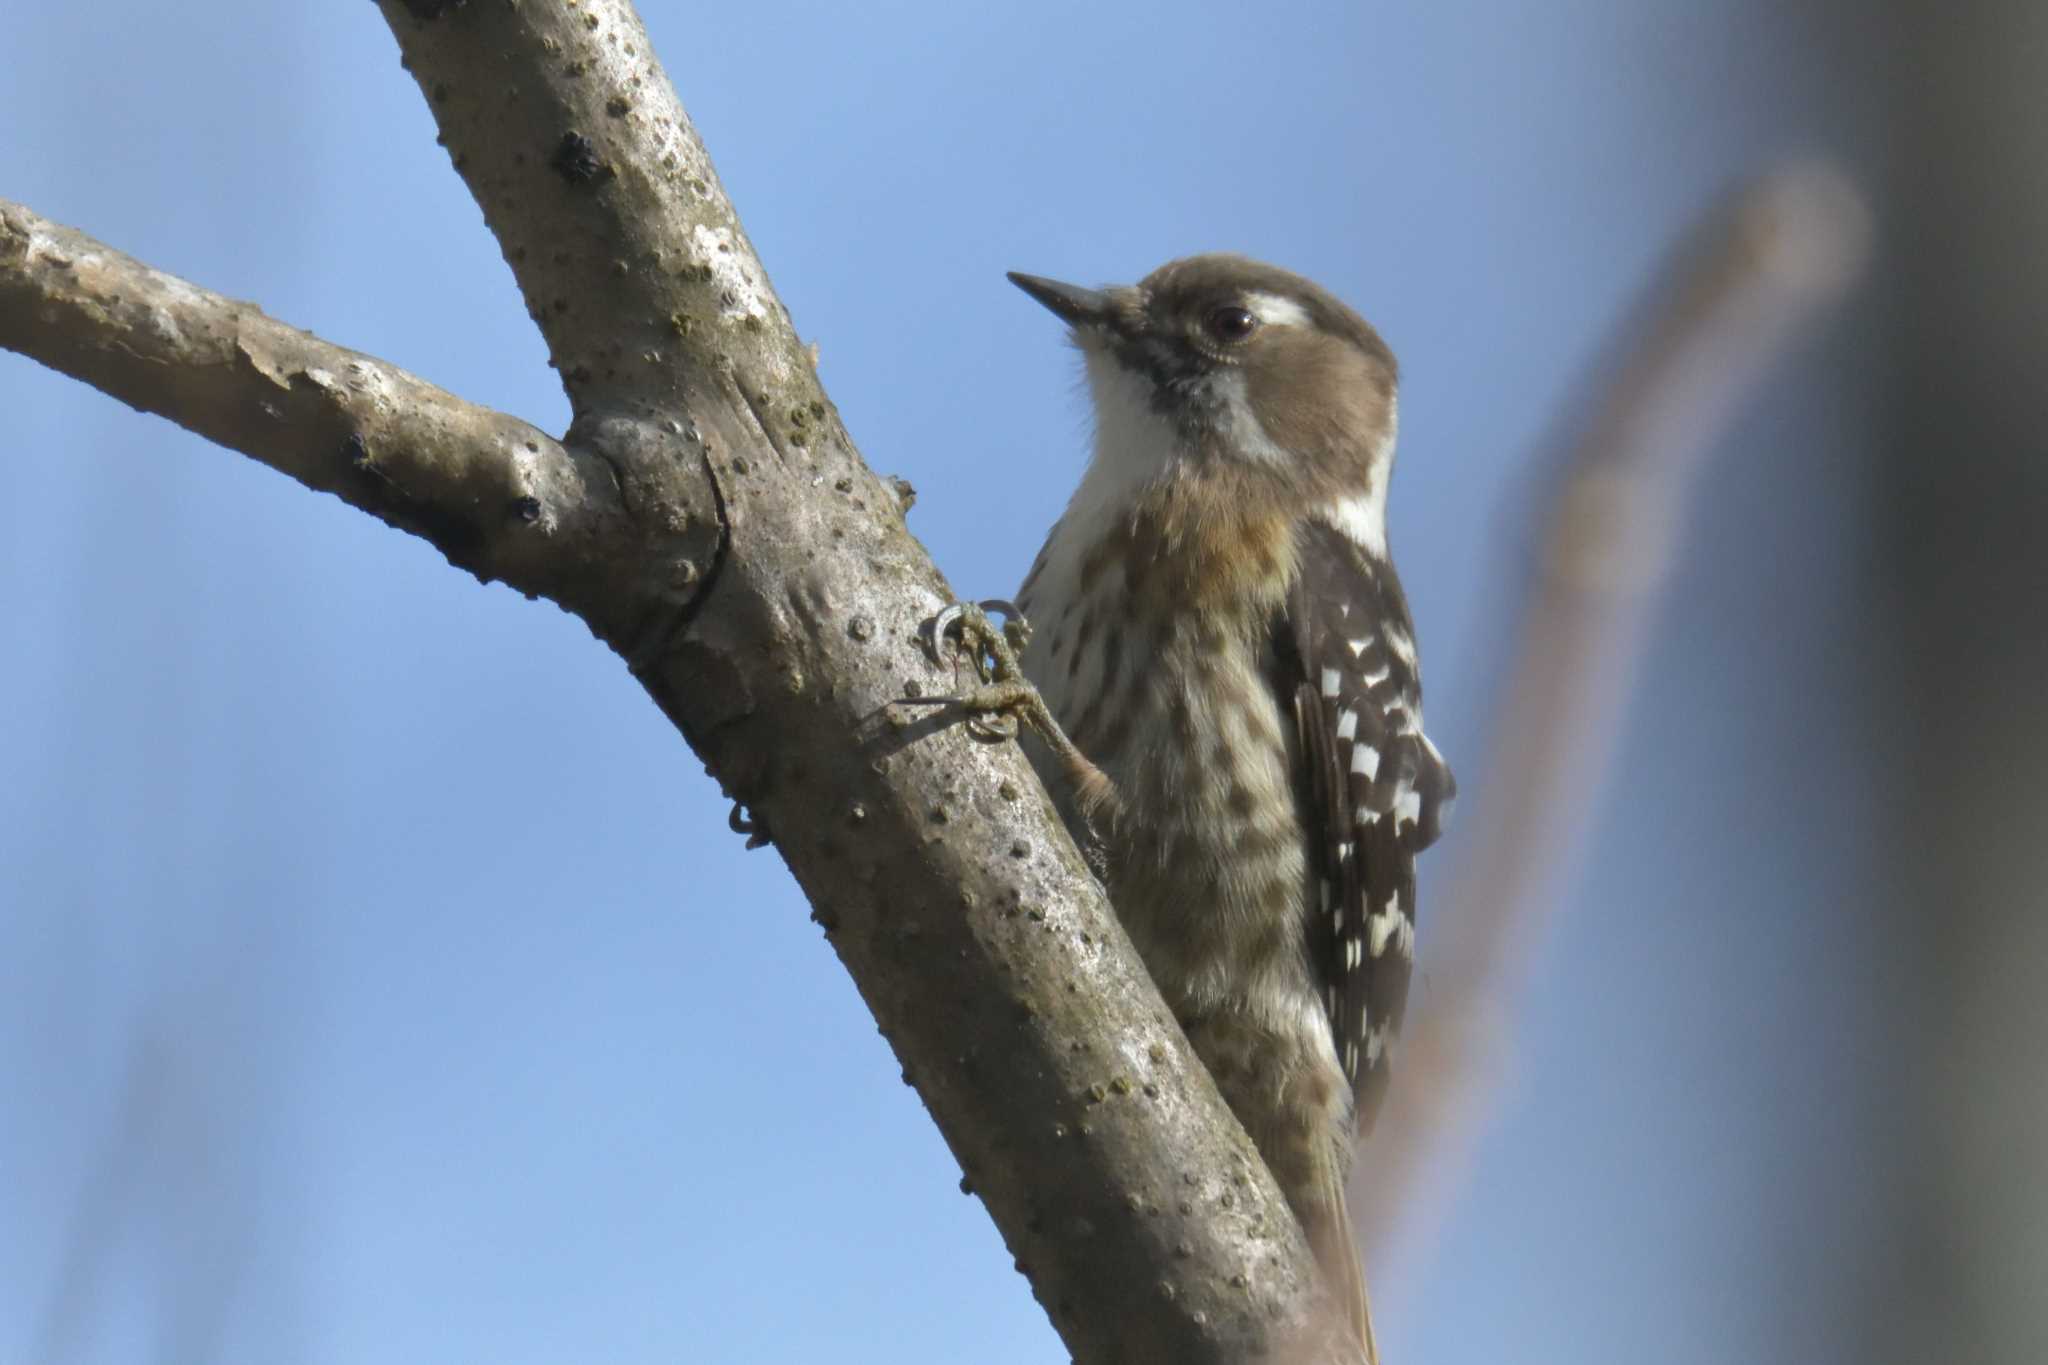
1336 1251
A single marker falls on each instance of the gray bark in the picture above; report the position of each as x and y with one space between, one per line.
709 518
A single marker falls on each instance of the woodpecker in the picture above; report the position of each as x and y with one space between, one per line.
1218 630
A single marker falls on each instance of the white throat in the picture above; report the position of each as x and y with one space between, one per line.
1135 445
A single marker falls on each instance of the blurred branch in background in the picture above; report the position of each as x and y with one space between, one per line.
179 1178
1733 302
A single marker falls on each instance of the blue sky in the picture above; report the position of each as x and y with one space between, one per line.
378 979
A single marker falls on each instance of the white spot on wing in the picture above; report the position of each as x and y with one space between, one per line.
1379 675
1330 682
1347 724
1390 925
1379 928
1408 806
1365 761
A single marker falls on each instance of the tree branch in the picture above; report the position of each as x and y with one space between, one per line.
496 495
708 516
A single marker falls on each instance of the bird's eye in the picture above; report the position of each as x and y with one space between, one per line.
1231 323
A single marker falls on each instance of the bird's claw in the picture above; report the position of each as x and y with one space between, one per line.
996 706
988 724
992 651
1003 702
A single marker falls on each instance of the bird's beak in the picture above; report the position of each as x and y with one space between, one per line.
1072 304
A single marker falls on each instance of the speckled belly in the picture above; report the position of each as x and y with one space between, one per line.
1208 864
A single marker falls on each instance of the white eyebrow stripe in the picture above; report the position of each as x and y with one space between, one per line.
1276 310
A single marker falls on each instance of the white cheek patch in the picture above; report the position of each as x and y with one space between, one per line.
1241 426
1276 310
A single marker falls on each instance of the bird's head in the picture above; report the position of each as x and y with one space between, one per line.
1219 367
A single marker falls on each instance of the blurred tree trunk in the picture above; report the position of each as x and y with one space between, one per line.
1964 541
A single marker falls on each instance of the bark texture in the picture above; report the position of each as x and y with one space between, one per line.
709 518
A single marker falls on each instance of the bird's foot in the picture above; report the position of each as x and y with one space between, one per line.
1002 700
